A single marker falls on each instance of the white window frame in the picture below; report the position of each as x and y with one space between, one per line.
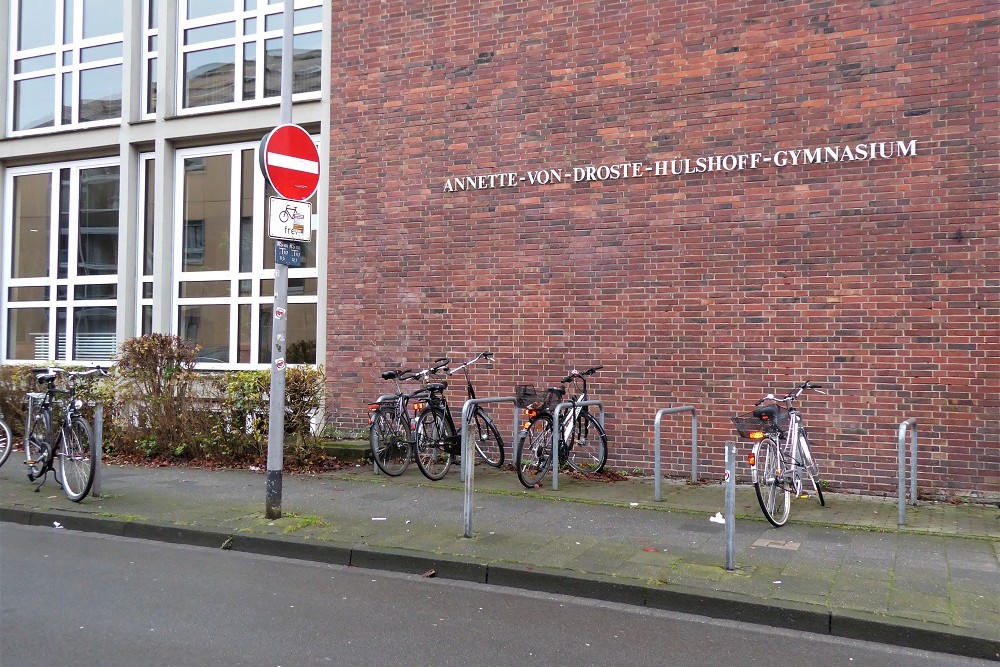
260 38
255 275
53 281
76 45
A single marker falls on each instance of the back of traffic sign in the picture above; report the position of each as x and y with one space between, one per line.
290 162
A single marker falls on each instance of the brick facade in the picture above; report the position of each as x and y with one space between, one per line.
877 277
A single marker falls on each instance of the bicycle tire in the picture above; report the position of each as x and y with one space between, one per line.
432 428
77 461
588 451
770 483
810 467
6 442
489 444
389 439
533 455
34 444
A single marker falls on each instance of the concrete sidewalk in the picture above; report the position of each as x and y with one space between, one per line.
845 569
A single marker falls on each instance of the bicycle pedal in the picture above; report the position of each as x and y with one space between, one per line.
804 495
30 463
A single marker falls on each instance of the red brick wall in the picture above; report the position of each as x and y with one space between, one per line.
879 278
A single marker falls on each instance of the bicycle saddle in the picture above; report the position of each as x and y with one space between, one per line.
437 386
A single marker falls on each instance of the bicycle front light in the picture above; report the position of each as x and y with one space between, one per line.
77 404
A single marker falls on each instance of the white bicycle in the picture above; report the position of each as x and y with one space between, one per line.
781 459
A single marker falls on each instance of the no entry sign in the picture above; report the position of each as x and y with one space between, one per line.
290 161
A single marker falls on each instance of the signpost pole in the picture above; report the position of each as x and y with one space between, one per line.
279 324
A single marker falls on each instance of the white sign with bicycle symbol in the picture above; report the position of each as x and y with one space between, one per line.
289 219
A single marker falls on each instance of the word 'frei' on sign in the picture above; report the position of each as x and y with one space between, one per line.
880 150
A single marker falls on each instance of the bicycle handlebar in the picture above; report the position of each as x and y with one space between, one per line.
792 395
575 373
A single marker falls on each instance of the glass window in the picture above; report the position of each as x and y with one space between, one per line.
50 82
101 93
243 63
32 219
35 27
222 282
34 103
65 311
197 9
208 76
102 17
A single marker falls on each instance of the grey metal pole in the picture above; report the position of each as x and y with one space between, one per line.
469 453
98 448
730 504
901 454
279 325
557 432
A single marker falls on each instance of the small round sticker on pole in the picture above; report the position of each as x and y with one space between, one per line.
279 363
726 479
279 313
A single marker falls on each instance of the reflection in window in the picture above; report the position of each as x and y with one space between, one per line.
207 205
242 61
101 93
208 326
49 66
32 220
66 312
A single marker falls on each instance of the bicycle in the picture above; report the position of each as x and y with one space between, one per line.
73 446
781 454
6 441
582 444
435 439
389 428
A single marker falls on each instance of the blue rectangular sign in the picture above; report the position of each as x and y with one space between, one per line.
288 253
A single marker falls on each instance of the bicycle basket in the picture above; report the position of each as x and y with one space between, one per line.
748 422
526 394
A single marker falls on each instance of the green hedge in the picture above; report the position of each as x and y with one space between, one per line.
157 406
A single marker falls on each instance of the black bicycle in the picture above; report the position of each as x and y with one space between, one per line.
71 446
583 445
436 440
389 423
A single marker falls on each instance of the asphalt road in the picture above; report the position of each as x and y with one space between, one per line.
69 598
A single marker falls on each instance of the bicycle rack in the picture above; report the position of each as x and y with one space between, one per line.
658 476
557 432
469 454
910 423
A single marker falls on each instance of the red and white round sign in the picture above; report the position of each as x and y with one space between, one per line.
290 161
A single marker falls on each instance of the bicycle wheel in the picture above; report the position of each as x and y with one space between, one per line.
489 444
33 443
432 430
773 495
389 438
810 467
76 459
588 451
533 454
6 442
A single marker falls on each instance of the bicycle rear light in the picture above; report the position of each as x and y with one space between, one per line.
531 413
418 406
756 435
751 459
373 407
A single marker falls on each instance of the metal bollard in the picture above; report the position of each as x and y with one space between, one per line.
730 504
98 448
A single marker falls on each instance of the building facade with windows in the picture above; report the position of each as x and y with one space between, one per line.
131 195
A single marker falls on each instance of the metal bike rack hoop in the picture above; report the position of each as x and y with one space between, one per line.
557 433
657 477
468 455
910 423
